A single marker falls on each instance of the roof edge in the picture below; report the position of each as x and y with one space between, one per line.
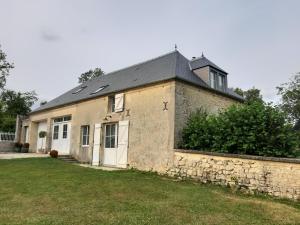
136 87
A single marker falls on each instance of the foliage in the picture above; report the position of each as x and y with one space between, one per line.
290 97
7 122
14 103
18 103
253 129
53 153
90 74
252 95
42 134
4 68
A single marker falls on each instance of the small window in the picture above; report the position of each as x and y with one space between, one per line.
79 90
67 118
85 133
111 103
99 89
111 138
65 131
58 120
55 132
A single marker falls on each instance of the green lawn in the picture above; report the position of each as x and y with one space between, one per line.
49 191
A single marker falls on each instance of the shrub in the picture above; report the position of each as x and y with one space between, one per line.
42 134
254 129
53 153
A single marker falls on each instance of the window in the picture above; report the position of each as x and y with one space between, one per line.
217 80
111 138
79 90
61 119
26 134
99 89
85 133
55 132
65 131
111 103
212 76
67 118
58 120
221 82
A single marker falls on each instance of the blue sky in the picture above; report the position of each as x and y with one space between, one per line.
52 42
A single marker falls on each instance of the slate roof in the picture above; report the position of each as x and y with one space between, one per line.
172 65
202 62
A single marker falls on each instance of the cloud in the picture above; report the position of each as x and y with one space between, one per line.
50 36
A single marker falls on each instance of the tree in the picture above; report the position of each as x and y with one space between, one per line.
252 95
90 74
12 104
290 98
4 68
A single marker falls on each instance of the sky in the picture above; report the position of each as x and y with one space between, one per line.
51 42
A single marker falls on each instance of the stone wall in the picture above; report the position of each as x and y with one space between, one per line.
276 177
6 146
189 98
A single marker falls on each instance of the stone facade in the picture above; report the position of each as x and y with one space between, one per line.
151 125
156 114
279 178
189 98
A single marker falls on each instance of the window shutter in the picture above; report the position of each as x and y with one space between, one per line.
122 144
96 146
119 102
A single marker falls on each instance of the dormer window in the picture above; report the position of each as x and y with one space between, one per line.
217 80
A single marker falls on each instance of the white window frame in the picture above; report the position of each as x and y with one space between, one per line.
110 135
56 137
65 131
85 135
111 103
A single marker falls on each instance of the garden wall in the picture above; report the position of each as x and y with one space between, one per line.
6 146
278 177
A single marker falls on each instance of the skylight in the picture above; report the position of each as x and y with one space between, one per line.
79 89
99 89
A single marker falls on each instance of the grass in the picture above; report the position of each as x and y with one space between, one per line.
49 191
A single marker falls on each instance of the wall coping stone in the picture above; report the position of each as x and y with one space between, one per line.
252 157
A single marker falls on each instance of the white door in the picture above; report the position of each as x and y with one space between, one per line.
96 146
41 142
122 144
116 144
61 133
110 144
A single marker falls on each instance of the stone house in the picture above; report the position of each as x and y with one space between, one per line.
132 117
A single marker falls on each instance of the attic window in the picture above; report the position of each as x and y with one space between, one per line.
217 80
99 89
79 89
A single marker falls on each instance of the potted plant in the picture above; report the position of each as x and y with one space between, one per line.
42 135
25 147
18 146
53 153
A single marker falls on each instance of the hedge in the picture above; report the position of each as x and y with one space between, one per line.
255 129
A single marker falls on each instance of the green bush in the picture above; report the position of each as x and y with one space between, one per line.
255 129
